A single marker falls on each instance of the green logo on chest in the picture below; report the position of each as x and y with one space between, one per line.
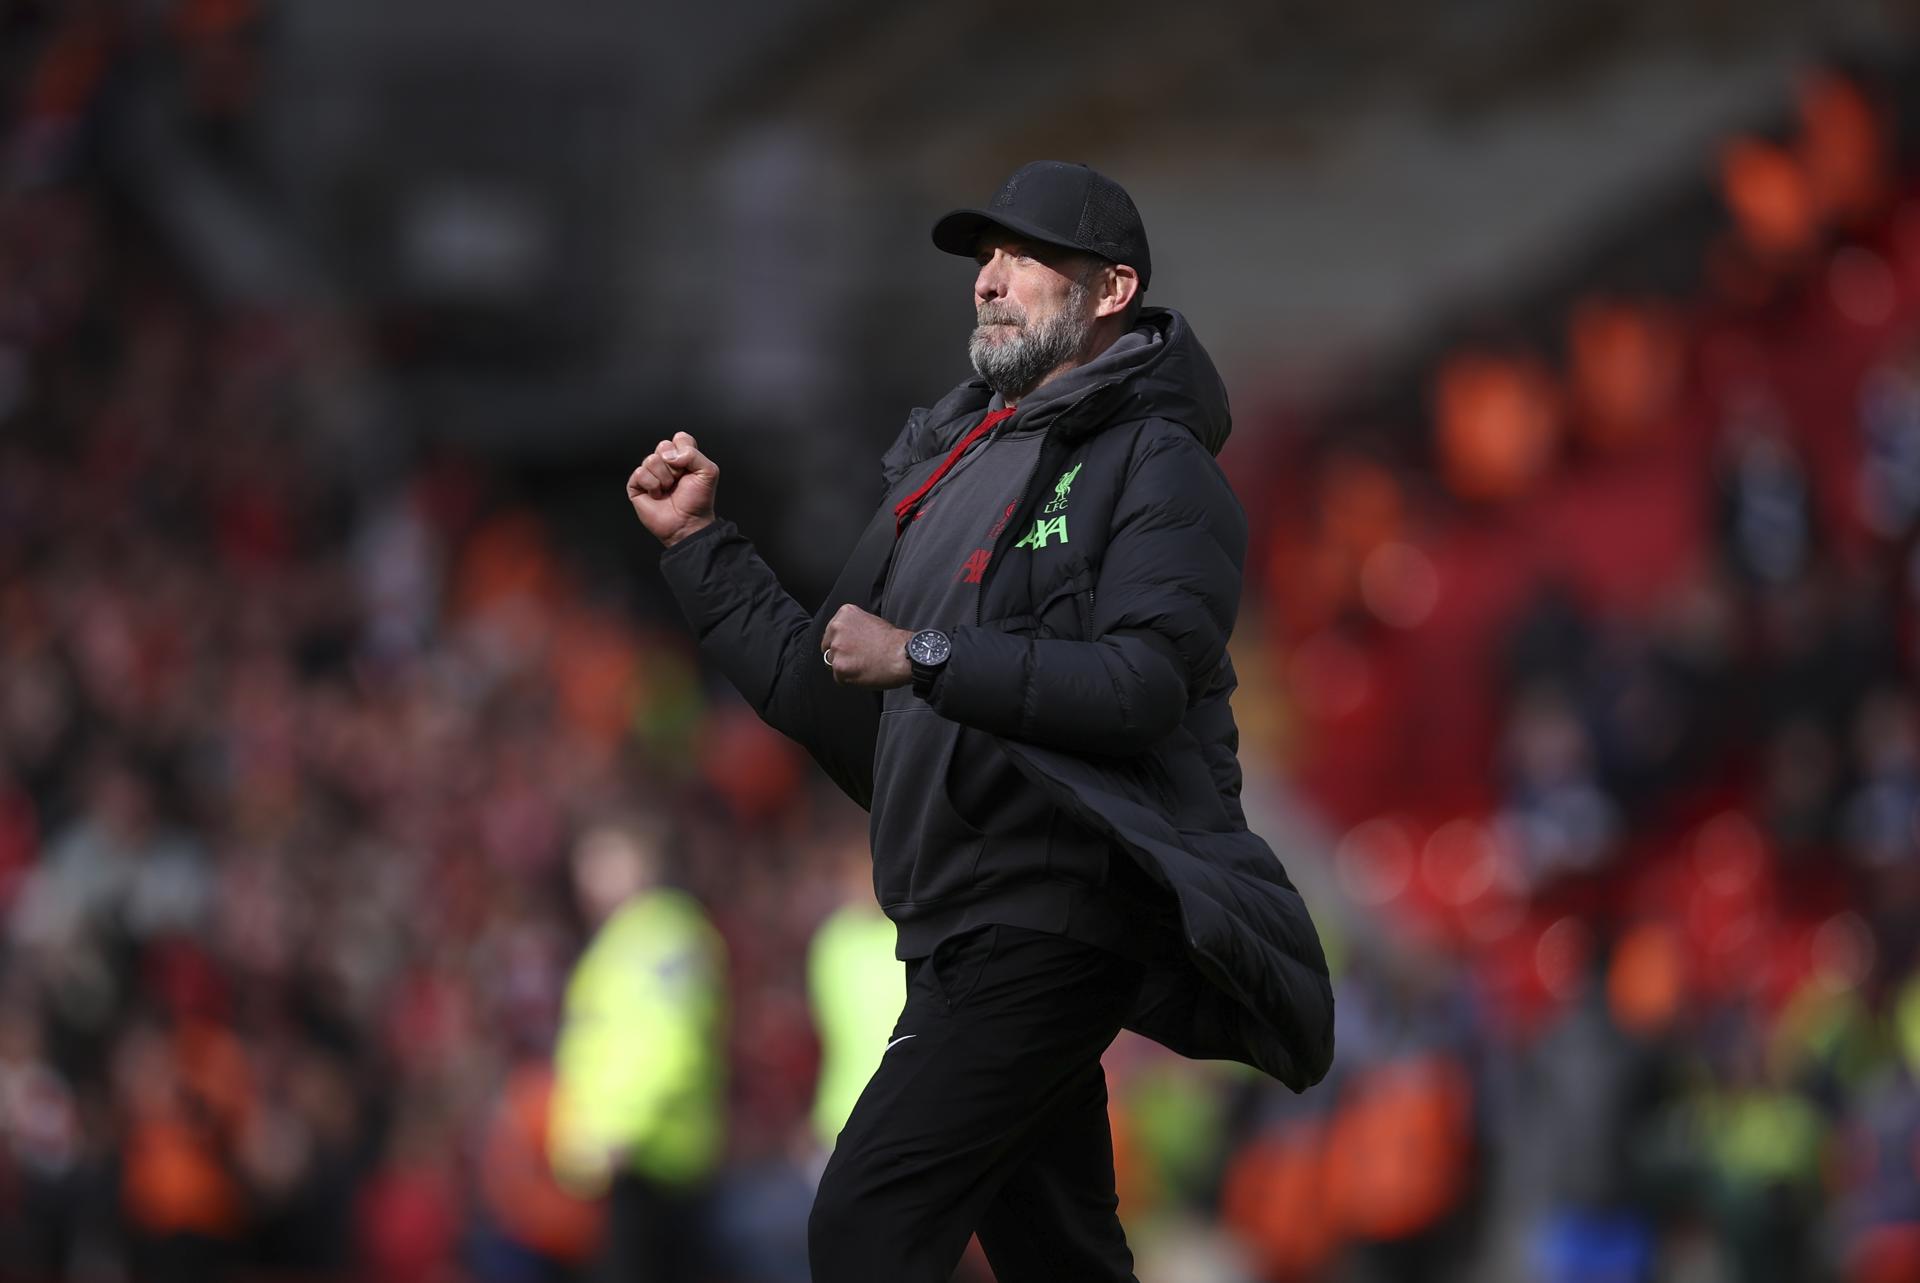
1044 528
1060 488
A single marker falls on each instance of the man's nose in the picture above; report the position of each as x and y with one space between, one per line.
990 283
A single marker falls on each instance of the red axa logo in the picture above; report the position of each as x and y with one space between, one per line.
976 565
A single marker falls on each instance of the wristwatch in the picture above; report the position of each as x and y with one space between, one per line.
927 651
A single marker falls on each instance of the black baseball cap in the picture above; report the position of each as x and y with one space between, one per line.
1056 203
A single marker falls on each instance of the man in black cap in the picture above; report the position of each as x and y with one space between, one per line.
1022 672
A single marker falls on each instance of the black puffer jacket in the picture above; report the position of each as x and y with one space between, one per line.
1100 661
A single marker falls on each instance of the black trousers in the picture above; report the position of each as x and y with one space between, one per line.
988 1115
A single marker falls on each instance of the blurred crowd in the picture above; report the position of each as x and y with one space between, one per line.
294 750
1603 682
1606 676
290 769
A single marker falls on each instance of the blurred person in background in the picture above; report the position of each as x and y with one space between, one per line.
540 1231
639 1098
855 992
1022 673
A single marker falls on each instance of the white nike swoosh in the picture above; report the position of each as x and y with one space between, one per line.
897 1041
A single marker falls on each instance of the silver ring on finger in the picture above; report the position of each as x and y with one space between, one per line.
827 655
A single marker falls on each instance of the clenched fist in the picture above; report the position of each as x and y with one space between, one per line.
672 489
866 650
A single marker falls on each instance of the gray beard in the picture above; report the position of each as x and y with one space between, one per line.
1014 366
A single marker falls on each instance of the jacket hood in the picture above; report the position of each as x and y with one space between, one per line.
1178 382
1167 376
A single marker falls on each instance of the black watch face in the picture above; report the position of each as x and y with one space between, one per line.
929 647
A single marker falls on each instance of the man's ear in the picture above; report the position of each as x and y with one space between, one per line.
1118 286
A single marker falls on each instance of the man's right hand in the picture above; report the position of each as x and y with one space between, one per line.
672 490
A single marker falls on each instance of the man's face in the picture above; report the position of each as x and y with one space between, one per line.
1033 311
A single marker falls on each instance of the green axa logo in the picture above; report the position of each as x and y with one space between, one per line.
1060 488
1046 527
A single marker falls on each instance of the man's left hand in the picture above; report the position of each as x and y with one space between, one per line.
865 650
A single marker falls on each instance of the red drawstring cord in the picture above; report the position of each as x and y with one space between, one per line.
905 506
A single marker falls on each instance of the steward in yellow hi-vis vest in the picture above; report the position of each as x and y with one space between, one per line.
856 989
638 1108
